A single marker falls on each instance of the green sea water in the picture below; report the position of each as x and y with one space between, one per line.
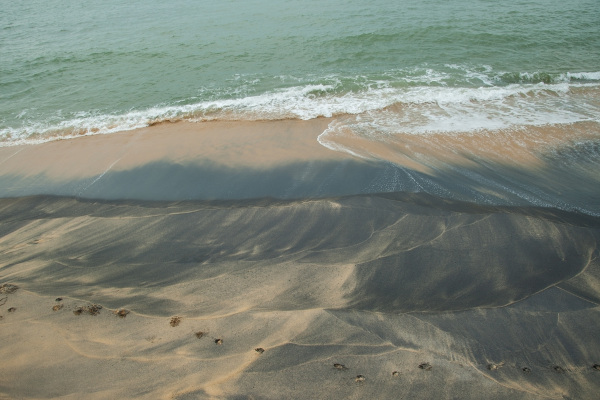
79 67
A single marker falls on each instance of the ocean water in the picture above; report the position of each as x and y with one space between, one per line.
72 67
448 77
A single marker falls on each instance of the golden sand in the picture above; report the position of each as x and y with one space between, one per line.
361 296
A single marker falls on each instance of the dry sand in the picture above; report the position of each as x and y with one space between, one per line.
294 282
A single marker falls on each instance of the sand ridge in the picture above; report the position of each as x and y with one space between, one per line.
304 299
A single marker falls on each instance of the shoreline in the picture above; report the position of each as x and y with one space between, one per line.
284 159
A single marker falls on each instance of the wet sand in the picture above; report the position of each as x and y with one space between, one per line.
180 263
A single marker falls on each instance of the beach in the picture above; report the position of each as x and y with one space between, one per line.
284 278
300 200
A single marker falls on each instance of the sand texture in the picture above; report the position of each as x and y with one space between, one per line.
181 272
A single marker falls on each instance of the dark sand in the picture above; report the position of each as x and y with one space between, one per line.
276 243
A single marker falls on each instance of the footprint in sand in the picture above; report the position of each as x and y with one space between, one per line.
8 288
359 378
426 366
395 373
558 369
94 309
152 338
12 309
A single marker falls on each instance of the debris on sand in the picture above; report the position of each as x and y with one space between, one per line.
494 367
426 366
12 309
526 370
122 313
175 321
359 378
219 341
199 334
596 367
341 367
259 350
395 373
58 299
57 307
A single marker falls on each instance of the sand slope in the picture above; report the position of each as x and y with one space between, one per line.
350 280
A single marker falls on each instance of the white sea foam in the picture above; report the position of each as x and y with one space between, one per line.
590 76
434 108
446 110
